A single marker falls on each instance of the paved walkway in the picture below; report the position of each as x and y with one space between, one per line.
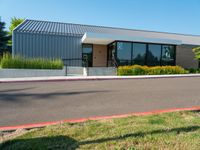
33 102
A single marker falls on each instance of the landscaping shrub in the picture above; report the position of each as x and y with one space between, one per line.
29 63
192 70
145 70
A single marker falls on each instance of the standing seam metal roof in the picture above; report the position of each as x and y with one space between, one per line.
57 28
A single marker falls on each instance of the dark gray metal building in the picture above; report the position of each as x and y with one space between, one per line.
100 46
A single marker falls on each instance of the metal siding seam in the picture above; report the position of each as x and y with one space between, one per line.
57 46
71 50
13 43
24 41
54 46
30 45
39 44
65 41
46 46
43 45
63 47
50 46
20 43
50 53
68 47
34 45
17 44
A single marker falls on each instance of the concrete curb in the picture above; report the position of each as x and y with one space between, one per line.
86 78
43 124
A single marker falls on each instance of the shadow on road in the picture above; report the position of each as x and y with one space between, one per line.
13 97
15 90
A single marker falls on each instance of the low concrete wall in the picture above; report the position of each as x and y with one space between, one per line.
70 71
91 71
76 71
15 73
101 71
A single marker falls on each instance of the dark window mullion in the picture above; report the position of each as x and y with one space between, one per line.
147 49
161 55
132 53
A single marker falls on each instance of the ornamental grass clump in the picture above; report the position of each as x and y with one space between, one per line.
19 62
145 70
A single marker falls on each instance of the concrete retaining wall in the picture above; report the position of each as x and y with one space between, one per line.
15 73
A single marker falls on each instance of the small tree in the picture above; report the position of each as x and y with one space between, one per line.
4 37
14 23
197 53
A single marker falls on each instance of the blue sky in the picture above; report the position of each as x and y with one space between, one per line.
179 16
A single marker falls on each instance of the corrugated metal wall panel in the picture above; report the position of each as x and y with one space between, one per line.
48 46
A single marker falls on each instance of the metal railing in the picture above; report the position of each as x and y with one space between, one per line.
75 62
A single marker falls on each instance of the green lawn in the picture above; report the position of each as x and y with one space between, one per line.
178 130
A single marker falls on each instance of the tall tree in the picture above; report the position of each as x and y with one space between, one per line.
4 37
13 24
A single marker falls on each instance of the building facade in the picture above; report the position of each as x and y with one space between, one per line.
98 46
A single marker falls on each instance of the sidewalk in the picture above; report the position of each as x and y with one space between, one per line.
78 78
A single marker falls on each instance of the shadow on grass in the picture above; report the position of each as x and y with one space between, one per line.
41 143
64 142
142 134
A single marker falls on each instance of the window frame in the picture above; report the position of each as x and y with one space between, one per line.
147 48
86 53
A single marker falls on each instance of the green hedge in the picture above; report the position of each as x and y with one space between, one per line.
29 63
192 70
145 70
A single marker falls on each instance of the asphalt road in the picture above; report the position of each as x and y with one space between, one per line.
34 102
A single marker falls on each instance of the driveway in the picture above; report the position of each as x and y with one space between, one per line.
34 102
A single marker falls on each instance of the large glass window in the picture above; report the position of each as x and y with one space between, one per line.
168 55
139 53
124 50
87 55
153 55
128 53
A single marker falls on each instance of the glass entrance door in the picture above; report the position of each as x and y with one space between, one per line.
87 55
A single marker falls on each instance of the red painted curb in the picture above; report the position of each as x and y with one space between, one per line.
92 79
43 124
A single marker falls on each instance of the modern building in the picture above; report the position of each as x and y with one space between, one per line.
99 46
